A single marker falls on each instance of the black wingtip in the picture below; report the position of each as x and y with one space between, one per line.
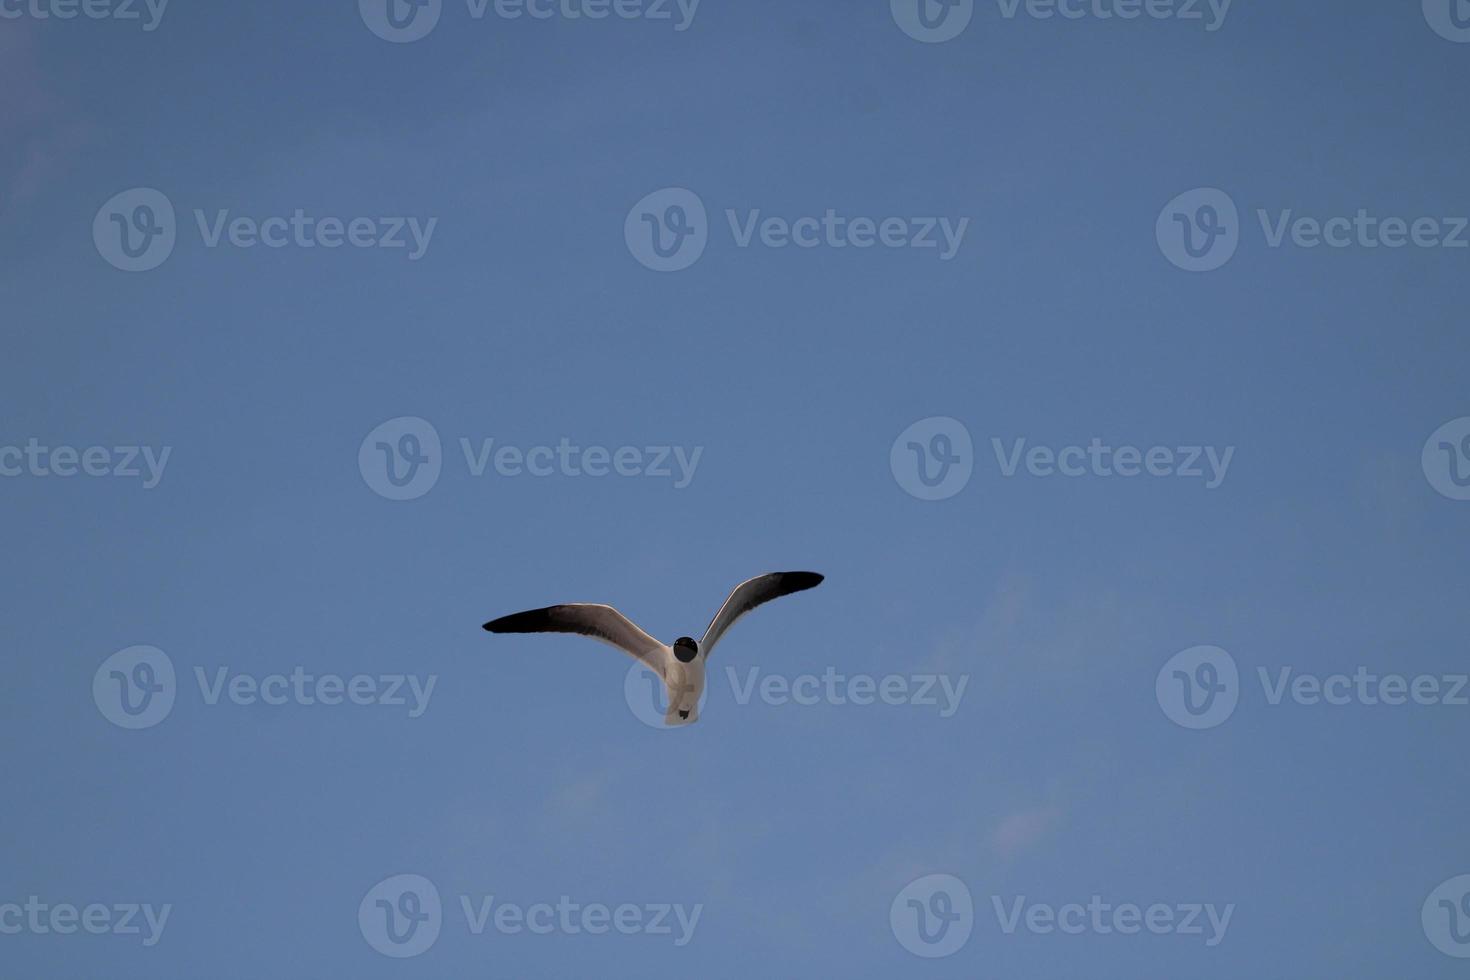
530 621
790 582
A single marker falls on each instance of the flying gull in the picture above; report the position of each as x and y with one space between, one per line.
681 666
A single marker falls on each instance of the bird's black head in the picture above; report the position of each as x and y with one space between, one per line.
685 649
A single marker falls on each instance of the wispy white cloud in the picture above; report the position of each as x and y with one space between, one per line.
1024 829
39 132
581 798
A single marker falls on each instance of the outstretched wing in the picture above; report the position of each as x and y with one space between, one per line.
589 619
748 595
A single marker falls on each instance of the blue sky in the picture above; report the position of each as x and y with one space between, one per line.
528 319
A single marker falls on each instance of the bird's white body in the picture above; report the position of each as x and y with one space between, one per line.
685 686
681 666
